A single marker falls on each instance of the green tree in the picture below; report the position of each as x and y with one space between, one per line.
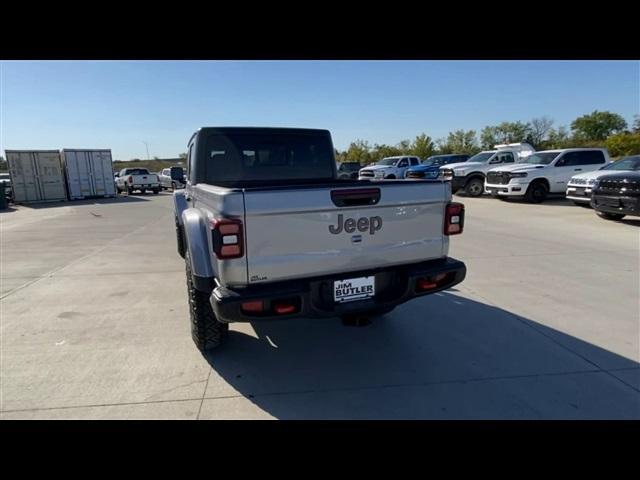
505 132
623 144
597 125
182 156
636 123
461 141
539 130
3 164
381 151
422 146
490 136
405 147
442 147
358 151
556 139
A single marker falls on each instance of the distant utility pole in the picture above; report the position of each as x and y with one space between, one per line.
147 145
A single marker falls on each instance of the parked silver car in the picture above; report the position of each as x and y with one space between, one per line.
173 178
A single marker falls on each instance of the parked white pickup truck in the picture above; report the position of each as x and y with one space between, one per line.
268 231
131 179
469 176
388 168
543 173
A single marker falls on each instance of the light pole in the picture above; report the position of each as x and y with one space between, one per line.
146 145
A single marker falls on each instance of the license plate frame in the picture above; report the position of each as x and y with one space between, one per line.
354 289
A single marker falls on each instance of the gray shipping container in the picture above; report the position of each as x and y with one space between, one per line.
36 175
89 173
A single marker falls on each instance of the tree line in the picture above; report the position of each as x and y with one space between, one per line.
597 129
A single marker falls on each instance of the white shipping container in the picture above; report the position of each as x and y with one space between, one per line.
36 175
89 173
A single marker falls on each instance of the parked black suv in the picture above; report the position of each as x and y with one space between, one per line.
615 196
349 170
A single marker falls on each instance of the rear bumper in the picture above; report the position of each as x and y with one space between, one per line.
313 297
616 204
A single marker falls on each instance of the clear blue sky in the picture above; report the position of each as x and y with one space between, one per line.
118 105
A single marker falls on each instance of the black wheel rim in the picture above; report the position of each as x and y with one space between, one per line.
475 188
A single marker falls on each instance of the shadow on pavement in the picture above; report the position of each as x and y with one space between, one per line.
439 357
88 201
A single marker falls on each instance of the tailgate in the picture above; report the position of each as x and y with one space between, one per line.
145 179
297 233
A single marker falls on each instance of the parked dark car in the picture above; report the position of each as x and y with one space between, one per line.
348 170
426 167
445 159
616 196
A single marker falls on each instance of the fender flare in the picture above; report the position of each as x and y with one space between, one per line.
180 204
474 174
195 228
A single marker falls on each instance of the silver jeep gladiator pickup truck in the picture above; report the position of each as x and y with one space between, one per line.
268 230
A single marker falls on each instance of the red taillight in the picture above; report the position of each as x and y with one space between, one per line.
454 219
227 238
130 179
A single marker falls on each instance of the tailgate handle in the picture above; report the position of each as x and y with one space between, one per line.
355 197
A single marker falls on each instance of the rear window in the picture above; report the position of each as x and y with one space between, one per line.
137 171
236 158
586 157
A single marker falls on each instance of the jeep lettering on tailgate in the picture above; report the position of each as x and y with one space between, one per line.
373 224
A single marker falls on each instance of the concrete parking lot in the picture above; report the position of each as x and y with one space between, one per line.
95 325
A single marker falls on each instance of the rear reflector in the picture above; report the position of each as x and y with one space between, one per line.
284 308
253 306
425 284
429 283
228 251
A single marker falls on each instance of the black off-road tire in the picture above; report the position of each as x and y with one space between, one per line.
143 191
129 191
537 192
206 331
156 191
173 186
474 187
390 177
610 216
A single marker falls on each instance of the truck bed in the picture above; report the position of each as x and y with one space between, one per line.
305 230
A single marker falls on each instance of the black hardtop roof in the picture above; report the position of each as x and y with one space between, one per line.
299 131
